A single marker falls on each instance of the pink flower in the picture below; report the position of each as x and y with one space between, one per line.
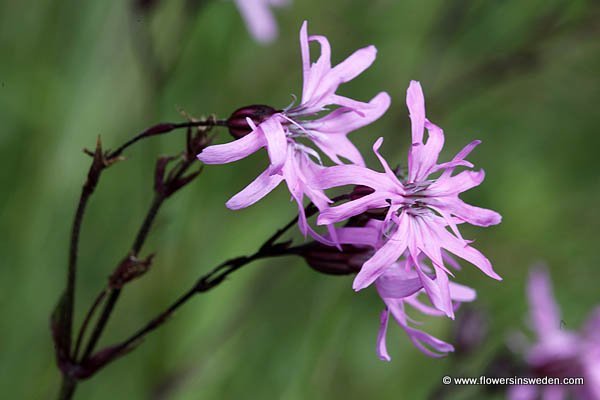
400 286
259 18
290 160
557 351
421 207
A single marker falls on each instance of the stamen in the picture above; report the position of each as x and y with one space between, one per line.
294 100
296 124
308 151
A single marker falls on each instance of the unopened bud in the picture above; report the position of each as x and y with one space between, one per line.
330 260
238 124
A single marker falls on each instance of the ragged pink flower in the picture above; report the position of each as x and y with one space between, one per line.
421 207
259 18
559 352
400 286
312 119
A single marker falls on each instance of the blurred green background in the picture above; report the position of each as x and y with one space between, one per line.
521 76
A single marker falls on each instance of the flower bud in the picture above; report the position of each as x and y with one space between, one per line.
237 123
329 260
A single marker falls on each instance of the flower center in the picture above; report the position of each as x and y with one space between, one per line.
294 126
414 200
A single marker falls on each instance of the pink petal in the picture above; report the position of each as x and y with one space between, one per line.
426 241
415 101
384 164
446 218
459 159
305 51
462 293
448 259
351 119
396 308
438 290
299 172
312 91
418 305
351 208
383 258
468 213
233 151
259 19
294 178
466 252
358 236
424 156
450 166
342 175
324 60
423 341
255 191
329 132
429 345
337 144
393 286
276 143
321 81
441 279
544 310
356 106
381 336
354 65
308 172
456 184
303 225
306 229
331 79
433 292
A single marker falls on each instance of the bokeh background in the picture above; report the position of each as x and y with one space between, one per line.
521 76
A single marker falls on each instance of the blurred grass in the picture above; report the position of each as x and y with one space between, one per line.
521 76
